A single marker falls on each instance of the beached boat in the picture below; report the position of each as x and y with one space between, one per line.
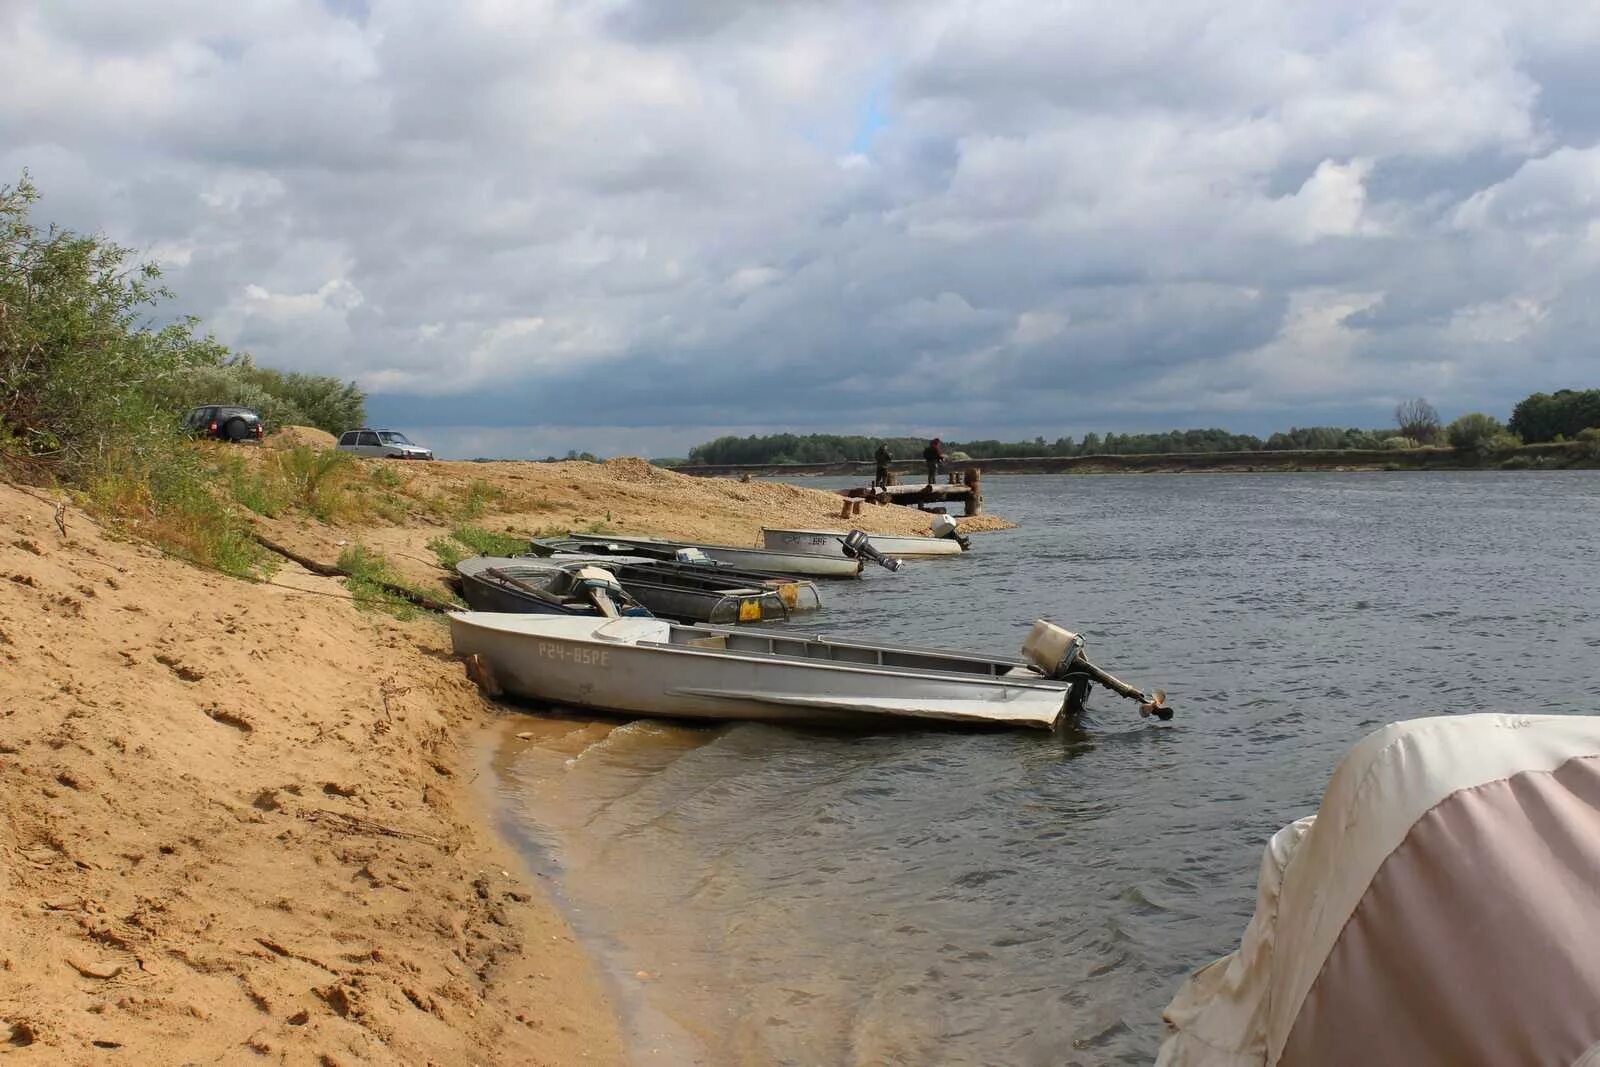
799 564
653 668
685 592
545 587
831 543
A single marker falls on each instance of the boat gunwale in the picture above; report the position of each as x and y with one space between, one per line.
805 559
1039 682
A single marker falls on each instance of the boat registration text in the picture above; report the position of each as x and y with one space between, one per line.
583 657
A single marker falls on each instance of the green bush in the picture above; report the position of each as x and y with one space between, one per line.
81 368
1474 431
280 399
1397 443
1503 442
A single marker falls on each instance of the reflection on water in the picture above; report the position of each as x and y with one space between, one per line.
770 895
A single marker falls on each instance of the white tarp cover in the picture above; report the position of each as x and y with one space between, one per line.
1442 907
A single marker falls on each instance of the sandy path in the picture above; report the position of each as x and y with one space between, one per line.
236 827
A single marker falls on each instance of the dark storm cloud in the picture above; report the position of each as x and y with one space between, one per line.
634 222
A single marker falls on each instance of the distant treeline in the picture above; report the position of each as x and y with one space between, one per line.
1539 418
1565 413
837 448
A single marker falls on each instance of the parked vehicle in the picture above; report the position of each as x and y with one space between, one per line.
381 444
224 422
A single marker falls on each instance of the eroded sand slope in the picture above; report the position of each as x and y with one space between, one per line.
238 826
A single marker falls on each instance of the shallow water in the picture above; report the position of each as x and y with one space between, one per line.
776 896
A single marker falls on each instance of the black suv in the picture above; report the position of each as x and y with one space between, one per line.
224 422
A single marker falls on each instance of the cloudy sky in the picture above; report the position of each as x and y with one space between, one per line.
631 225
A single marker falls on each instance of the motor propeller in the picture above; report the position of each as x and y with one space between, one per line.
1059 654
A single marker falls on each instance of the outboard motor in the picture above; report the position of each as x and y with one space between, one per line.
945 526
602 589
1058 654
856 546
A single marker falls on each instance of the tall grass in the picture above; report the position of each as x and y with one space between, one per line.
467 540
374 581
167 496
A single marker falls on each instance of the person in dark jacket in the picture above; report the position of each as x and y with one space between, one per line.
882 457
933 456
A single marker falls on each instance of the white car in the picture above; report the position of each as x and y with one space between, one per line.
382 444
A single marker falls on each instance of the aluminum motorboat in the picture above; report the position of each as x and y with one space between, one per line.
832 542
685 592
545 587
654 668
799 564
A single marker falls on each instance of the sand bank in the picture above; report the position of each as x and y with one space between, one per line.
237 824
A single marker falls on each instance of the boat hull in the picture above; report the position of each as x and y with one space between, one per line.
573 662
800 564
667 590
482 595
829 542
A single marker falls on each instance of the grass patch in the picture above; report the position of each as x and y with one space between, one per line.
325 484
488 542
448 551
466 540
478 498
168 497
372 579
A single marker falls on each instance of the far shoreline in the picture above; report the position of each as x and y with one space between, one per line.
1565 455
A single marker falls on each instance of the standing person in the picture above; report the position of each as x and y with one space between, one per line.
933 456
882 457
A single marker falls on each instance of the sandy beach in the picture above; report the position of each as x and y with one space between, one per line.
240 817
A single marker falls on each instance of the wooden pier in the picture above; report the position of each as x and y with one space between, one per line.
964 487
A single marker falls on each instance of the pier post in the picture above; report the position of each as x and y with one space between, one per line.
973 478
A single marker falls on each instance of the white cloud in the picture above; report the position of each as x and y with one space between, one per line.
1179 211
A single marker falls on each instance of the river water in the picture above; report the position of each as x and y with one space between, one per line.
766 895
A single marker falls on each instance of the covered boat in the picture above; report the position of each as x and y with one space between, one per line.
1442 907
670 590
650 667
831 542
750 559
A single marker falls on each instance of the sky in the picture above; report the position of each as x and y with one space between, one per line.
629 226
